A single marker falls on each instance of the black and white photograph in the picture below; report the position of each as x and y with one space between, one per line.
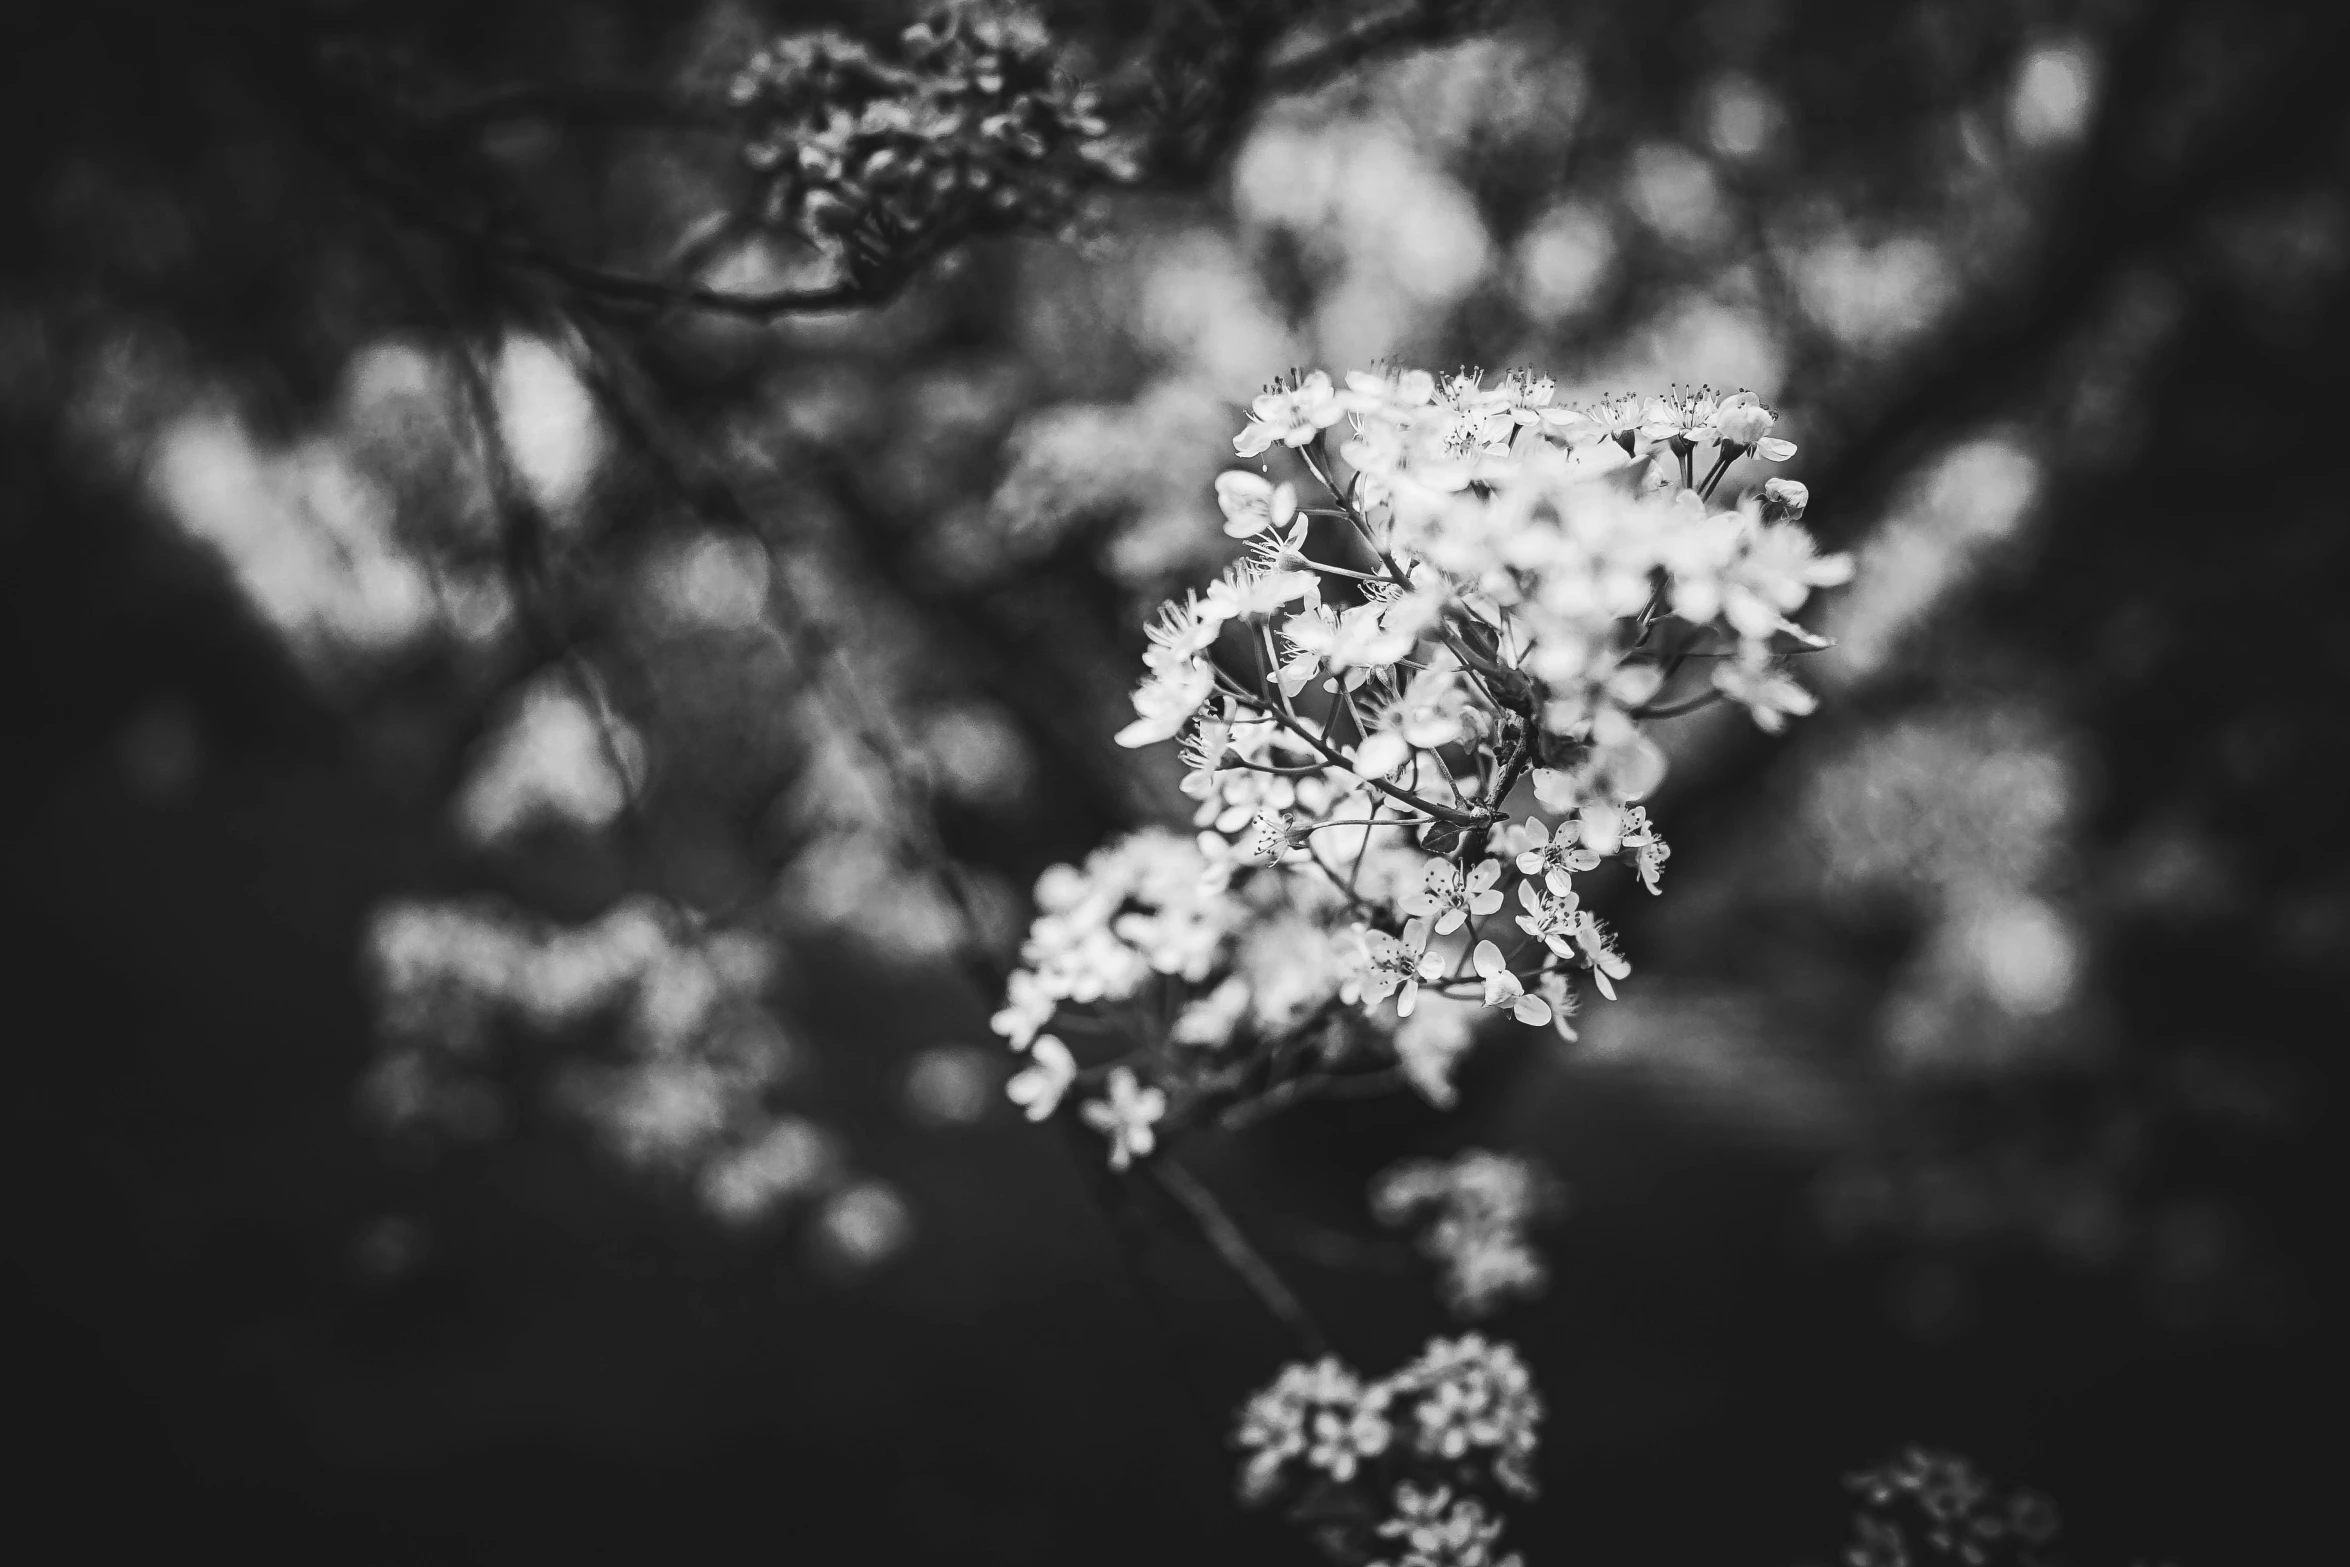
1174 783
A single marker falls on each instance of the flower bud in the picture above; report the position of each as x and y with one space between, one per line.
1744 424
1783 500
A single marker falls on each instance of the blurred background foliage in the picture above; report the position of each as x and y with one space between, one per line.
491 1079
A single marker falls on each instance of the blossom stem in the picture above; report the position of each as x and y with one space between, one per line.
1505 778
1678 708
1268 661
1354 872
1729 455
1238 1254
1443 813
1346 888
1477 663
1318 1085
1312 453
1442 766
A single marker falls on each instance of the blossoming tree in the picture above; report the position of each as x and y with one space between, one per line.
1412 715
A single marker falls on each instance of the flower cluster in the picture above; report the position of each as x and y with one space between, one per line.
1415 717
688 1074
1321 1417
1934 1506
1436 1529
969 123
1401 1457
1475 1211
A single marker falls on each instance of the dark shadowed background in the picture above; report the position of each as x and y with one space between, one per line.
487 1085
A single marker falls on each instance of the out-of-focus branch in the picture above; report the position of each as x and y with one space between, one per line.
1241 1257
866 277
2110 217
641 292
523 532
1417 25
983 642
617 381
808 628
1300 1090
408 166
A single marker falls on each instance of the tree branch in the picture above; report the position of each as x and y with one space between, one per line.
1237 1253
1423 23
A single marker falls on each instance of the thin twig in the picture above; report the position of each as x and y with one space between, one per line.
1443 813
822 654
523 532
1425 23
1237 1253
1301 1090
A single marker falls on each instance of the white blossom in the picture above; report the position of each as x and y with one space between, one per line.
1437 1529
1037 1088
1128 1117
1321 1414
1599 950
1249 592
1208 1022
1742 421
1475 1214
1551 918
1290 415
1650 851
1453 900
1350 643
1430 1043
1251 503
1504 989
1474 1398
1784 500
1466 1405
1764 690
1166 702
1395 966
1553 859
1028 1005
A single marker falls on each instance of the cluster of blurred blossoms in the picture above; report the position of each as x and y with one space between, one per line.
685 1079
1474 1213
1391 1471
969 124
1926 1506
1455 595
